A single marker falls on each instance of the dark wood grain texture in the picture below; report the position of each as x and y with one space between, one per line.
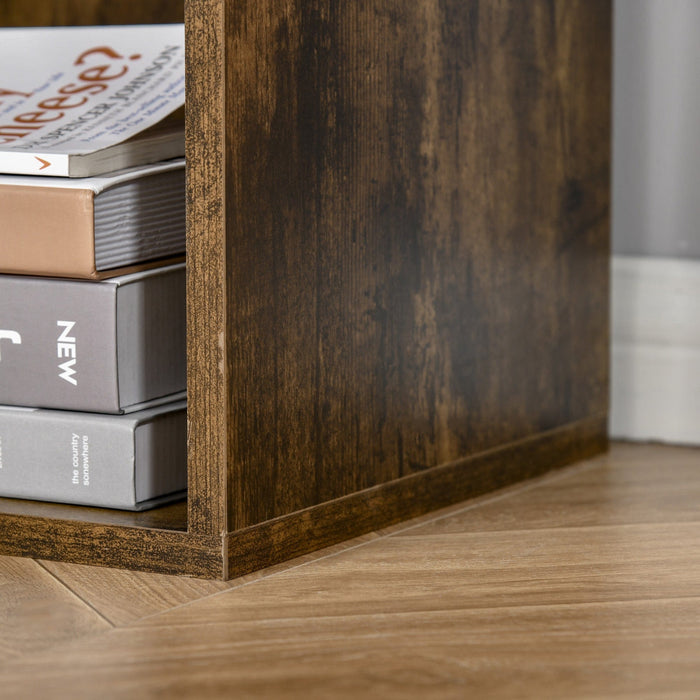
207 380
159 551
19 13
417 230
172 517
397 268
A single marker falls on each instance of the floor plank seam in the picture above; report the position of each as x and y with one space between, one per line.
446 612
77 595
667 524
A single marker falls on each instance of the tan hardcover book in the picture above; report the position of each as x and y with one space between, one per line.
85 228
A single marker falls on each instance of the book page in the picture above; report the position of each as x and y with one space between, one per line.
77 90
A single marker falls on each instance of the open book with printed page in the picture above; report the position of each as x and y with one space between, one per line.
81 101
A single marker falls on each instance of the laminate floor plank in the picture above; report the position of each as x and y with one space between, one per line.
38 613
574 594
631 649
123 597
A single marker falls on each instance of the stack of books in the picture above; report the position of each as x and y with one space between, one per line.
92 273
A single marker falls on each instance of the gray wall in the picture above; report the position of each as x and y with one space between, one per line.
656 128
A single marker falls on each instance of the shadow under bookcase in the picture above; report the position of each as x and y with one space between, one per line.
398 247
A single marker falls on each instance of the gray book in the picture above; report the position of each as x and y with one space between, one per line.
111 346
131 462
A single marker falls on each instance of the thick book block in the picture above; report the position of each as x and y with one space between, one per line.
131 462
88 227
105 346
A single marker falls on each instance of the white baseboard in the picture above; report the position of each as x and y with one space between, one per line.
655 373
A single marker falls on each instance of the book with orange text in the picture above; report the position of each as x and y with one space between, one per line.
79 101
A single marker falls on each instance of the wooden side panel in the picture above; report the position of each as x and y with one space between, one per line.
417 236
206 268
21 13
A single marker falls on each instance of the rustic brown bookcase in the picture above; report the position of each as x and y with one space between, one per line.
398 218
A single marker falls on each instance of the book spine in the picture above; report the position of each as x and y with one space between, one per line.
67 457
58 346
49 164
106 347
46 230
123 461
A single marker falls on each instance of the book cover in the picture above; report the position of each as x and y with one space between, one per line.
108 346
85 227
131 462
76 101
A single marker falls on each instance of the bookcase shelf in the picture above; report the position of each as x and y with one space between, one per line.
398 246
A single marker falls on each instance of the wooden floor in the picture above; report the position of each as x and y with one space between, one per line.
582 584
